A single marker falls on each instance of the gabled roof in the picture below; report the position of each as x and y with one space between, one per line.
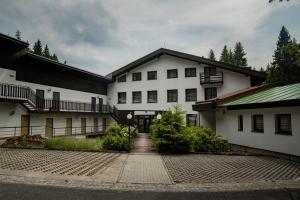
11 44
272 97
190 57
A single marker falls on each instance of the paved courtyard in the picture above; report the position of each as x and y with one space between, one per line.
225 169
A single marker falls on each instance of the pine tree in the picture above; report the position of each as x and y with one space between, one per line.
239 55
211 55
230 57
224 55
46 52
54 57
18 35
65 62
37 48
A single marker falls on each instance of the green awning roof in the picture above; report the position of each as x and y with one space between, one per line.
275 94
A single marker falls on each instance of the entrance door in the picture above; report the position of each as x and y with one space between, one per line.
143 123
24 124
49 127
103 124
83 126
39 99
93 108
55 101
69 126
95 124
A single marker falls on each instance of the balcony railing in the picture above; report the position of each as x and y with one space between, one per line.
27 95
211 78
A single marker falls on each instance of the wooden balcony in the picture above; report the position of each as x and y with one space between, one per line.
211 78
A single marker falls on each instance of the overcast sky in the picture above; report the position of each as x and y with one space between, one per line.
101 36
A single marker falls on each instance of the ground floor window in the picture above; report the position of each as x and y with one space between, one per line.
258 123
283 124
240 123
191 119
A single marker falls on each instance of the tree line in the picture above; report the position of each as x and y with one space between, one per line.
235 57
38 48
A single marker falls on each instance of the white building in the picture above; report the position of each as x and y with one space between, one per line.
38 94
260 118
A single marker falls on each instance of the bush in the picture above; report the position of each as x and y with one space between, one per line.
114 129
171 135
115 142
70 143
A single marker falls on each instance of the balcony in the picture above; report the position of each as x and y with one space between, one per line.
27 97
211 78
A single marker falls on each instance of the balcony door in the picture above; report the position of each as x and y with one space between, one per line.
55 101
93 108
40 98
100 104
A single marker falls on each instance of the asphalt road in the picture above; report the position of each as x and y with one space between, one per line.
34 192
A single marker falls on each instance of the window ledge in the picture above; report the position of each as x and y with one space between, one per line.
284 133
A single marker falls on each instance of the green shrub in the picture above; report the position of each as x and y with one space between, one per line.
114 129
115 142
133 131
71 143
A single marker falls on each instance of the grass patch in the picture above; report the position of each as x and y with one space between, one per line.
70 143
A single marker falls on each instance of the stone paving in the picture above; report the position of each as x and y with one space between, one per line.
229 169
142 143
55 162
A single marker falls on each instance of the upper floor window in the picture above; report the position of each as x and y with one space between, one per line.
137 97
210 93
122 78
258 123
240 123
190 72
121 97
191 94
191 119
152 96
283 124
172 95
137 76
172 73
152 75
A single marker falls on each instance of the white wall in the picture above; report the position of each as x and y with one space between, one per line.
232 82
227 126
9 76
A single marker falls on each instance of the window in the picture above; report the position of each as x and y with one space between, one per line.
258 123
240 123
191 119
122 78
152 75
172 73
190 72
172 95
137 97
210 93
283 124
121 97
137 76
152 96
208 71
191 94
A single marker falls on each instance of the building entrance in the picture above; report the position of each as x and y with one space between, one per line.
143 122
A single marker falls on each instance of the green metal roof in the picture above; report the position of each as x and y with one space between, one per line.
275 94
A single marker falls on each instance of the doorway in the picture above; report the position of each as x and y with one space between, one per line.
55 101
40 98
83 126
69 126
49 127
143 122
25 125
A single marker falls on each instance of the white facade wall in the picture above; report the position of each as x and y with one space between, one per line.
227 127
10 114
9 76
232 82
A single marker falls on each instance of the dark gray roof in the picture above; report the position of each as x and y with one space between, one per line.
198 59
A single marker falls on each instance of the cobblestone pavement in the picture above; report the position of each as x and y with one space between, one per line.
55 162
226 169
145 168
142 143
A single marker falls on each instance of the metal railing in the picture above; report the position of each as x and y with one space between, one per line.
22 93
211 78
14 131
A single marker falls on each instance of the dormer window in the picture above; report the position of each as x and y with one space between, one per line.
122 78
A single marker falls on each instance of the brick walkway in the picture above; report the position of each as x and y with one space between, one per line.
229 169
142 143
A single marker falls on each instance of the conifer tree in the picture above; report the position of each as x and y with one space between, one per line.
211 55
54 57
230 57
224 55
37 48
239 55
18 35
46 52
